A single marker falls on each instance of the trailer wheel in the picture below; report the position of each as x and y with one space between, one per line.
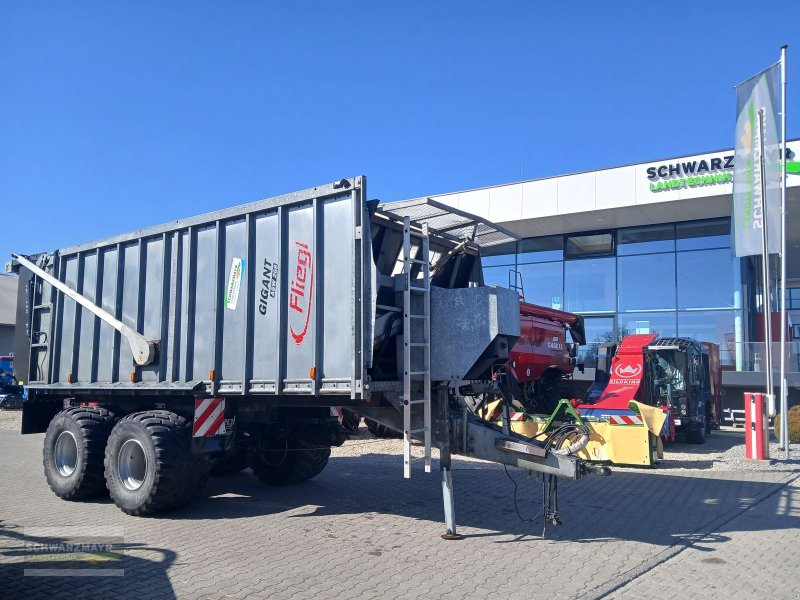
73 452
382 431
697 433
149 465
296 462
230 464
549 391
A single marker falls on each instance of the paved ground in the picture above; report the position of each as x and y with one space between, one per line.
360 531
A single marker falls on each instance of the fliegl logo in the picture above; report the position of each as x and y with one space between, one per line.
627 371
301 291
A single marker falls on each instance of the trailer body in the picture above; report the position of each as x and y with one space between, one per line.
267 298
234 333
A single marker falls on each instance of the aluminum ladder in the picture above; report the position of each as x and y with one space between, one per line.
416 342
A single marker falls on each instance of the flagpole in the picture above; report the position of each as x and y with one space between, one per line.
784 400
765 286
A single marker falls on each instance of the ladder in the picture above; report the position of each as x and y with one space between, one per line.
416 342
41 312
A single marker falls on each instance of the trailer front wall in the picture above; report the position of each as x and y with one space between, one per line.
266 298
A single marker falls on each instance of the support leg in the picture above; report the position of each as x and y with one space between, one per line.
445 464
449 504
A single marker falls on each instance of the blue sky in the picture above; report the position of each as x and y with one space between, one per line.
120 115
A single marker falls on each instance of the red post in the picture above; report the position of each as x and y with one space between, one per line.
756 426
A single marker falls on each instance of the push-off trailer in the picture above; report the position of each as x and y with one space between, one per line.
225 339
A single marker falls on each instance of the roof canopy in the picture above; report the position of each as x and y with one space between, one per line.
450 221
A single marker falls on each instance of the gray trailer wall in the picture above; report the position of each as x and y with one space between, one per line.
297 325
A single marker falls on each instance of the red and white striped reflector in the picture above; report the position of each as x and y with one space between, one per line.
517 416
209 417
624 420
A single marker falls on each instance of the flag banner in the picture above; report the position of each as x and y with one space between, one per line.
751 211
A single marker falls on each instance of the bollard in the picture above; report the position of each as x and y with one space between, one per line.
756 427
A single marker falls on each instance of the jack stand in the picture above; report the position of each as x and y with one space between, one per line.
449 503
551 501
445 464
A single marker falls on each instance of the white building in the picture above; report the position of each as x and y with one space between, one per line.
642 248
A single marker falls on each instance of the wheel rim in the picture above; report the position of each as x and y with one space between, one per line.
66 453
132 464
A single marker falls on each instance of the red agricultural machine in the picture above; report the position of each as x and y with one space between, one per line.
680 375
542 361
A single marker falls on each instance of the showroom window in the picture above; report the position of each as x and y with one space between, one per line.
646 240
543 284
700 235
670 279
590 244
792 298
706 279
662 323
543 249
498 276
590 285
599 330
501 254
717 326
646 282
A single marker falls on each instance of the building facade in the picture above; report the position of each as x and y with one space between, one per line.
643 248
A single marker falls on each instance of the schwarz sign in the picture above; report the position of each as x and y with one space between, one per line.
691 173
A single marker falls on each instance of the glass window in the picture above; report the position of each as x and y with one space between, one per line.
590 285
501 254
641 240
697 235
715 326
542 249
793 298
592 244
661 323
599 330
706 279
646 282
497 276
543 284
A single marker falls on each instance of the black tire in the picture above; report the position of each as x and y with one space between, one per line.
548 392
350 421
162 472
293 463
73 466
230 464
697 433
382 431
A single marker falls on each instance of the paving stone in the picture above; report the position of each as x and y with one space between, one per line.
359 530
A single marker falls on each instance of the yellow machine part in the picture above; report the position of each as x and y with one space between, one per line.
635 445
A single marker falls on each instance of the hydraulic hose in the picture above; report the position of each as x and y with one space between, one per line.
560 435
